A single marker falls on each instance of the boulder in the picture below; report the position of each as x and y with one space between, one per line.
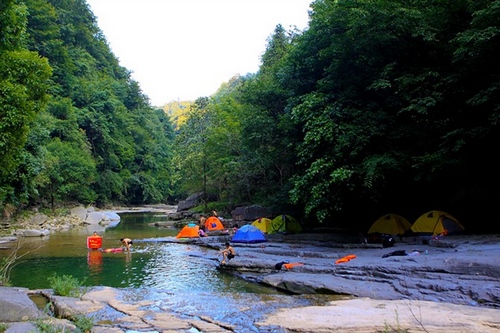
80 212
95 218
112 216
21 328
8 239
16 306
36 233
177 216
250 213
37 219
190 202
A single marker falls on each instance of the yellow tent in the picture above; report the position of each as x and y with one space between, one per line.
436 222
390 224
262 224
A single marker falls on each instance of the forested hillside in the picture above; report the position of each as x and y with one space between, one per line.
377 107
74 126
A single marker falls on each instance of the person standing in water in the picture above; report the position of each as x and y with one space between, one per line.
126 242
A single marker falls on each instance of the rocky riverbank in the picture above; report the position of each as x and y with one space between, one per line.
433 287
456 269
450 284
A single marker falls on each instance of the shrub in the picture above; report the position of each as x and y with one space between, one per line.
84 323
66 285
44 326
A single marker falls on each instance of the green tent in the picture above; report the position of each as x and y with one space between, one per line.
284 224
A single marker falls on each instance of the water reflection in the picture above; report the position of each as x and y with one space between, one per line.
178 278
94 259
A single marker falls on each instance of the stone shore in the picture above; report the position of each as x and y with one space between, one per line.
447 285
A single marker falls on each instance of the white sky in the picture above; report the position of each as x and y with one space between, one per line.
185 49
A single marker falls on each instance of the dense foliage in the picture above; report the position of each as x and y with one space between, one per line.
377 107
74 126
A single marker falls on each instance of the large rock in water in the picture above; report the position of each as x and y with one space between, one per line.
16 306
36 233
95 217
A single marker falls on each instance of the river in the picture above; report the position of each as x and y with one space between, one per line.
179 278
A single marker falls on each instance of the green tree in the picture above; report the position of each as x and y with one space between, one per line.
23 87
97 107
383 106
267 154
68 171
190 156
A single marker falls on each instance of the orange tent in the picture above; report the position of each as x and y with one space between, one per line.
213 223
189 231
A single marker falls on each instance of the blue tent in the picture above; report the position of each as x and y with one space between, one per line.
248 234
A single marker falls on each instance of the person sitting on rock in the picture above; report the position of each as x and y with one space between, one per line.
228 253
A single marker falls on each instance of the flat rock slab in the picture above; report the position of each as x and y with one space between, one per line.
466 271
364 315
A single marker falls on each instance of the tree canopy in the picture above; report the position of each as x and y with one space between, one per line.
75 126
376 107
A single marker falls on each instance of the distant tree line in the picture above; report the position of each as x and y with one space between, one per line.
376 107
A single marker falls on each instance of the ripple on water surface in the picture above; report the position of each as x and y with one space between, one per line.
177 278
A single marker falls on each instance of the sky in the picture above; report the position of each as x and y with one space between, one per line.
185 49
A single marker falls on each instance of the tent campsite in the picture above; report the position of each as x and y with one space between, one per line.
284 224
436 222
248 234
189 231
390 224
213 223
262 224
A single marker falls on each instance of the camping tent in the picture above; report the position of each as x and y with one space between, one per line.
284 224
248 234
390 224
213 223
189 231
436 222
262 224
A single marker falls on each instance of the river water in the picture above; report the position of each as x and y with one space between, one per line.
167 273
